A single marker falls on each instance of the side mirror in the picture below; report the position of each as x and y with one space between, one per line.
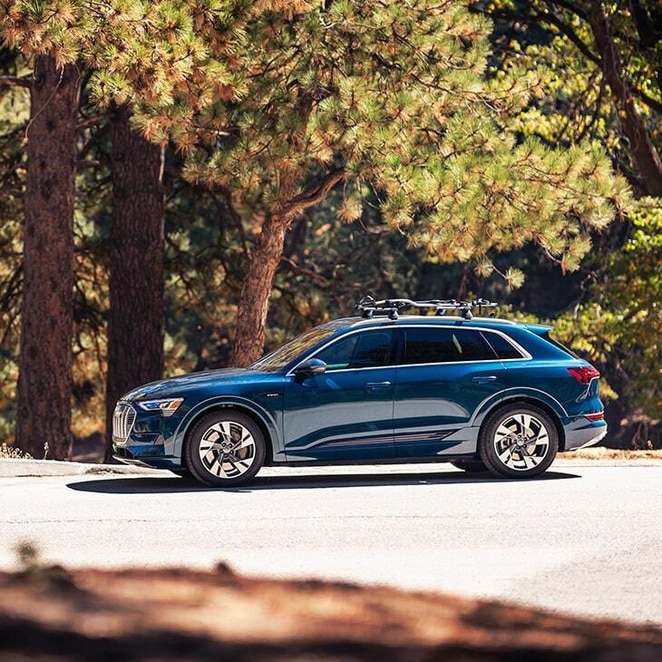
309 368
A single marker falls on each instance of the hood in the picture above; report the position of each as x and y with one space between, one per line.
178 386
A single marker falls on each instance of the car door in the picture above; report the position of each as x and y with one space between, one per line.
445 374
346 413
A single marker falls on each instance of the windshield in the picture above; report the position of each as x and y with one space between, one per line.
294 348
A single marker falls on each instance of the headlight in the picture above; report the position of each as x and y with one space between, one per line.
167 406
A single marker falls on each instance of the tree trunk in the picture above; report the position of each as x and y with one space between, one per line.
43 426
136 289
256 290
633 126
264 261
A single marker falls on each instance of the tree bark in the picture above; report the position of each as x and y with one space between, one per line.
43 426
647 158
136 288
264 261
256 290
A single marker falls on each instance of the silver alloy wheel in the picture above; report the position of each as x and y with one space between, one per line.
227 449
521 442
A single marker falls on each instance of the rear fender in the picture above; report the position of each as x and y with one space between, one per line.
531 396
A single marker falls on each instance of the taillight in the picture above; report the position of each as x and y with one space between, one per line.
585 374
598 416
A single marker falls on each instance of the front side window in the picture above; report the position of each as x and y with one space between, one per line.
366 349
445 345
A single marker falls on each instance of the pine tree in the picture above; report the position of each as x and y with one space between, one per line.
43 33
389 97
63 39
606 88
135 314
14 113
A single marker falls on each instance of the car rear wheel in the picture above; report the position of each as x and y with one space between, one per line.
225 449
518 441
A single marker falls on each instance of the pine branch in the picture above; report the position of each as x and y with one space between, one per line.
311 197
15 81
310 275
91 121
653 104
546 17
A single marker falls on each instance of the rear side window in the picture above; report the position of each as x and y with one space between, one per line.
503 349
436 345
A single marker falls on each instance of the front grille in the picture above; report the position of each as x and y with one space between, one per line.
123 419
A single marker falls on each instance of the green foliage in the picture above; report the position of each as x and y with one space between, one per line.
460 157
620 329
398 97
617 324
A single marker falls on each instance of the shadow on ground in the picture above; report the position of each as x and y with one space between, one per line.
171 483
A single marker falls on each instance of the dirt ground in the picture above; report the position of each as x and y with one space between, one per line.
50 614
612 454
53 615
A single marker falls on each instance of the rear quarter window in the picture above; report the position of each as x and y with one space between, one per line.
502 347
545 336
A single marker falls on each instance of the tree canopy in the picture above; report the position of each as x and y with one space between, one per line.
462 132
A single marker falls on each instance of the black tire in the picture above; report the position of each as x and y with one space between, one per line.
224 449
518 441
470 466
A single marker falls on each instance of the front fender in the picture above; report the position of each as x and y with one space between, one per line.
175 443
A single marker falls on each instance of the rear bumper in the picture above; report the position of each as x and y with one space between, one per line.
582 433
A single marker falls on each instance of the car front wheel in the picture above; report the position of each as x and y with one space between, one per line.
225 449
518 441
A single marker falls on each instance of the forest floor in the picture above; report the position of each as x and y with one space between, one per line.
51 614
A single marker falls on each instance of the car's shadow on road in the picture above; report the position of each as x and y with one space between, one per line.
175 484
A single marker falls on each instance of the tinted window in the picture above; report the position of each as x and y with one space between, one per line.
366 349
435 345
502 347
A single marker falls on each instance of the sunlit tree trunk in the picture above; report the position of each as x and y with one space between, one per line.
256 290
43 426
264 261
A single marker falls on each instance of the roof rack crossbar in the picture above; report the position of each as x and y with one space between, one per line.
368 306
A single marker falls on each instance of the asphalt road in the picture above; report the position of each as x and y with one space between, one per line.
585 539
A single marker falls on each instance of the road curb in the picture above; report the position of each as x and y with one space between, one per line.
21 468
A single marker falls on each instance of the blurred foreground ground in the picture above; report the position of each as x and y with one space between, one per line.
52 615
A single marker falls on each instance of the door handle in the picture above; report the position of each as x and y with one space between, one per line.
484 379
378 386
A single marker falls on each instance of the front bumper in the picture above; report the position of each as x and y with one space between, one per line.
138 438
125 456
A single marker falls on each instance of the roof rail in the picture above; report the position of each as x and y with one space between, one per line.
393 307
